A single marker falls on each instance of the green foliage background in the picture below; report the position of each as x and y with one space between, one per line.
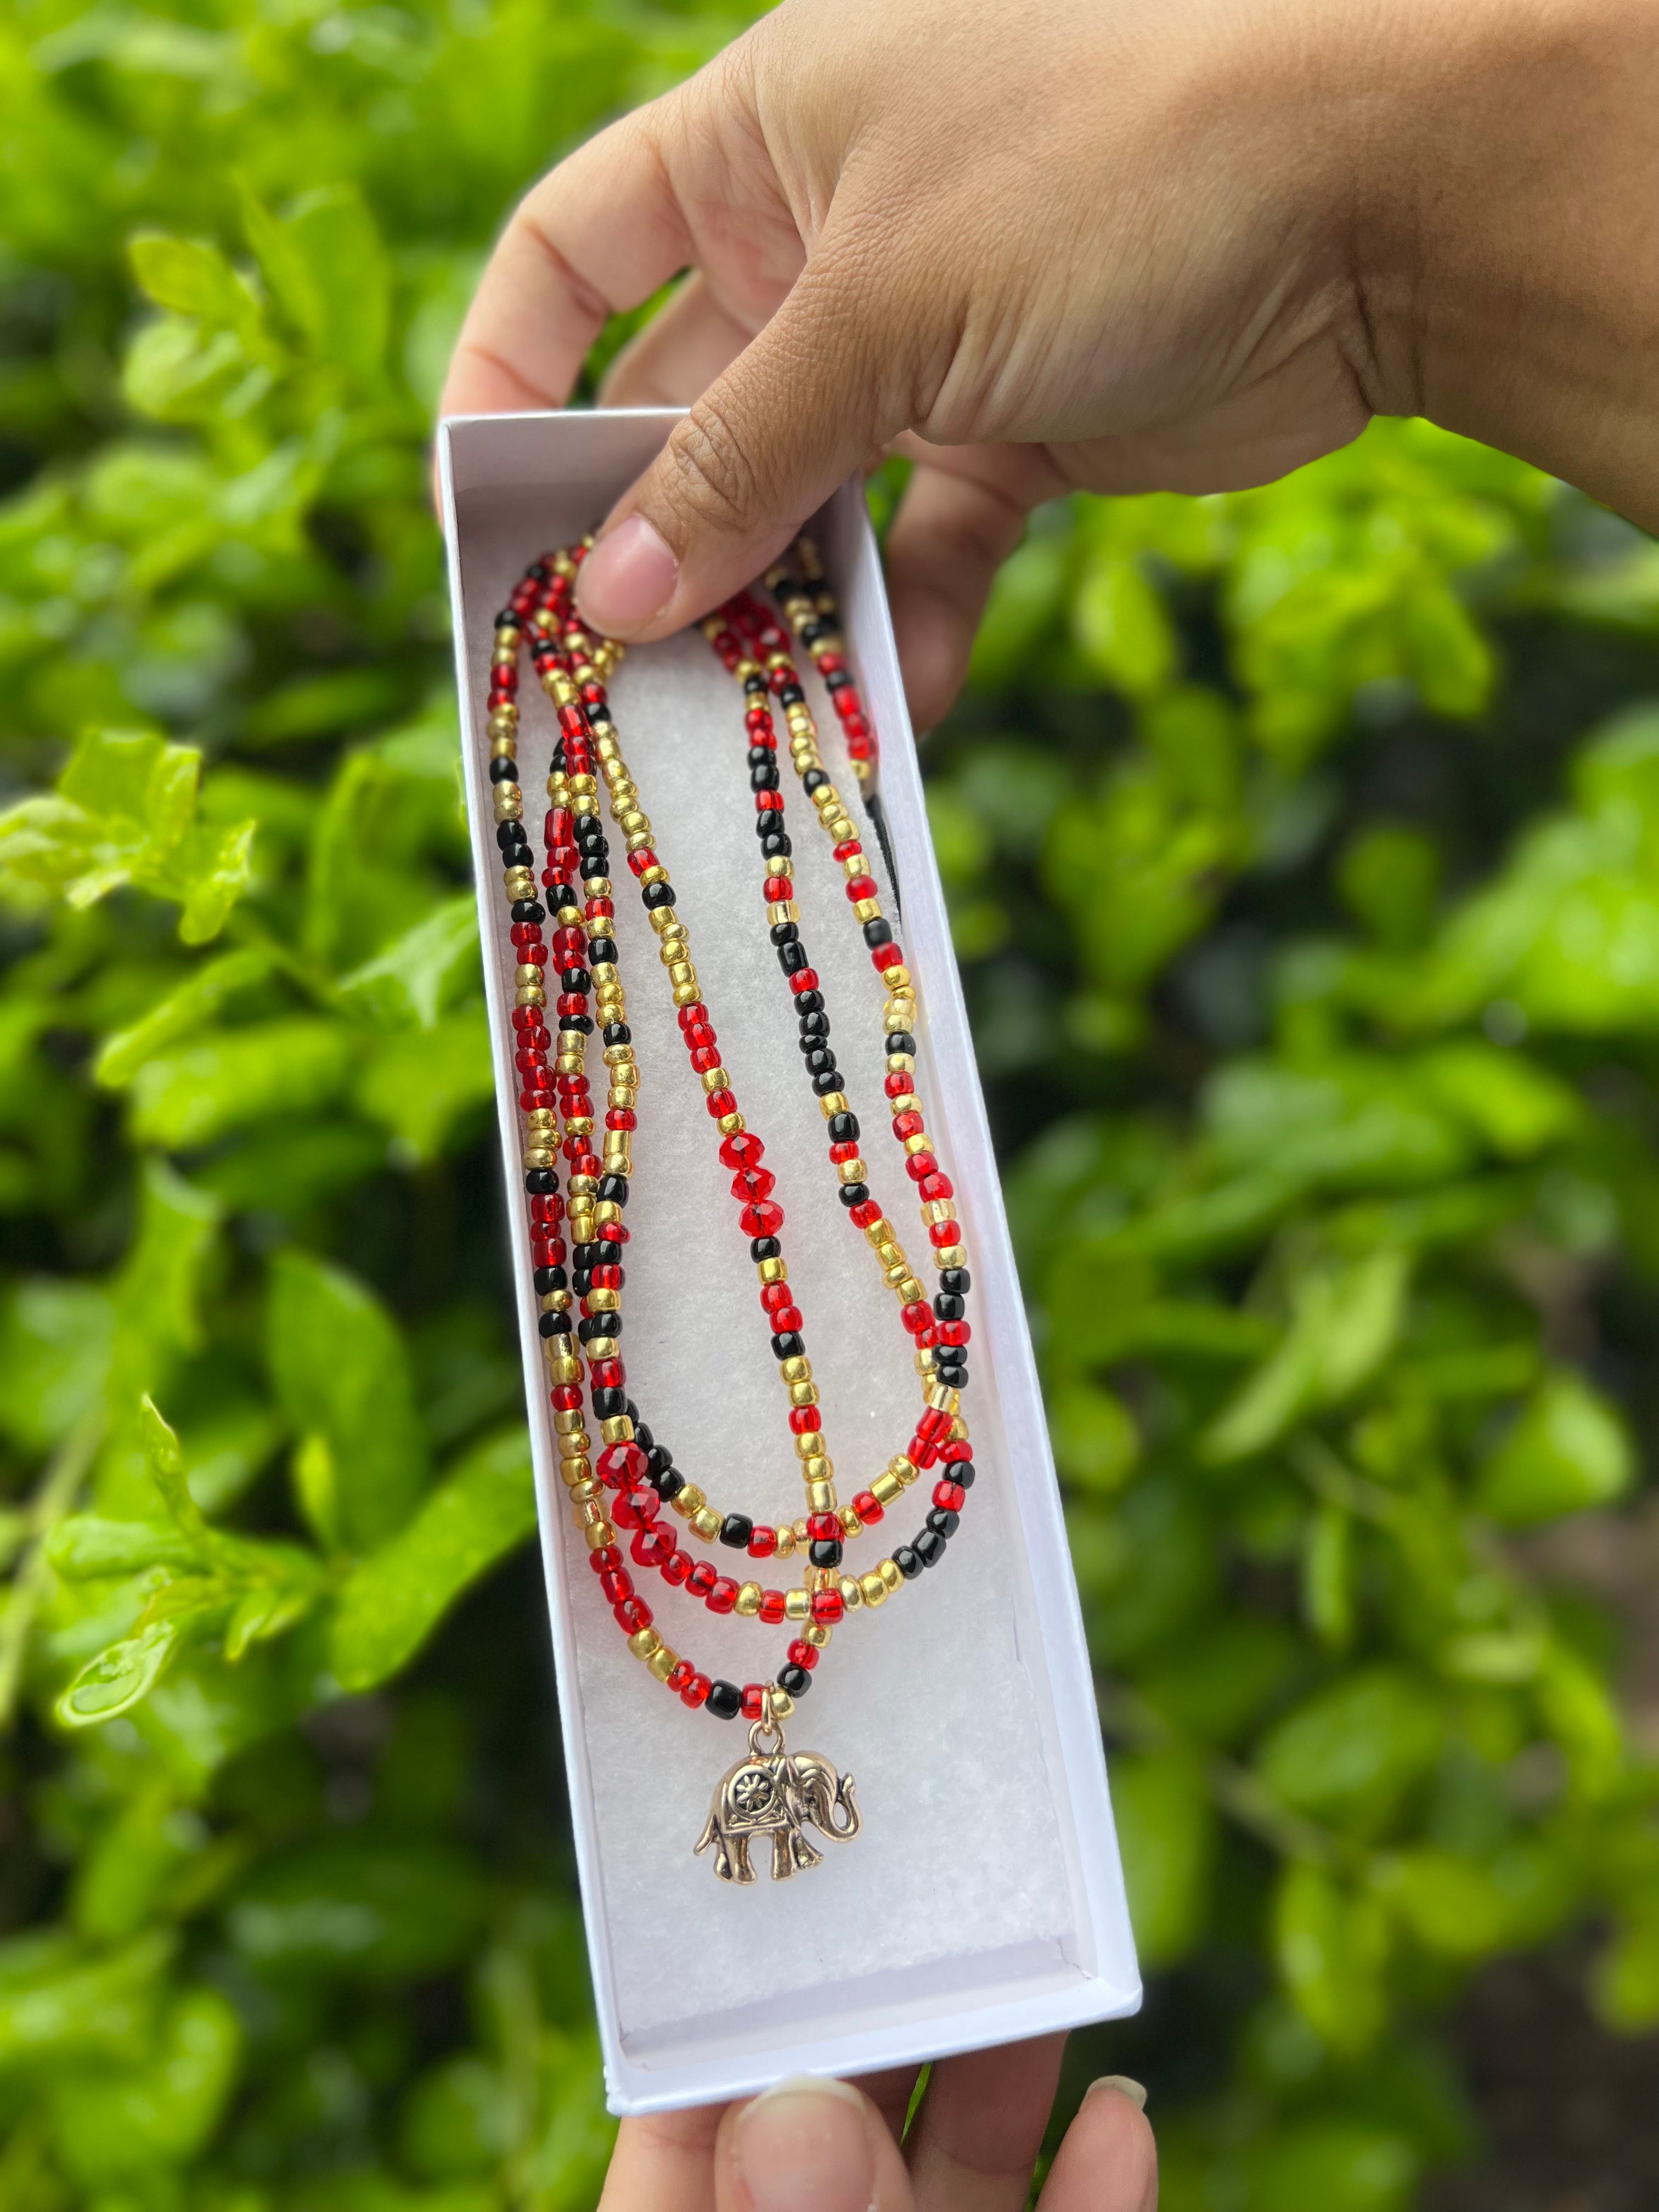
1303 844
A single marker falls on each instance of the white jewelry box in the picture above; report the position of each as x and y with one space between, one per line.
983 1900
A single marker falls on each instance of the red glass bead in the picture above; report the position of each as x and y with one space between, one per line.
701 1578
779 887
898 1082
635 1508
771 1607
695 1692
868 1507
653 1546
907 1124
866 1213
933 1422
848 848
838 1153
723 1596
949 1496
719 1104
942 1233
705 1057
860 887
605 1559
607 1277
920 1165
827 1608
775 1296
806 980
922 1451
954 1331
916 1317
757 718
621 1463
763 1541
633 1614
958 1449
753 1182
742 1149
753 1695
620 1117
802 1654
805 1420
676 1568
644 858
599 909
617 1584
762 1219
678 1676
887 956
934 1187
606 1374
822 1527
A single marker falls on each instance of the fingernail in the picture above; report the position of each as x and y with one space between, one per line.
804 2146
628 577
1133 2090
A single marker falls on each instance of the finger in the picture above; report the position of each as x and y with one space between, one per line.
802 407
809 2145
693 337
597 234
962 513
890 2094
979 2128
1107 2162
663 2160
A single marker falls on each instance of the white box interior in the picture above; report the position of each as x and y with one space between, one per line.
983 1900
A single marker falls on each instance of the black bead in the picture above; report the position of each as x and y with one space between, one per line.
791 958
617 1033
855 1194
814 779
614 1187
508 834
655 895
953 1376
821 1060
754 683
528 910
759 756
786 932
764 779
601 949
809 1002
562 895
593 1325
736 1530
947 1308
843 1127
599 714
553 1324
608 1244
789 1343
956 1280
659 1459
540 1182
929 1547
550 1278
813 1025
878 933
791 694
764 1247
775 843
943 1523
585 1255
795 1679
503 768
582 1282
962 1471
582 1024
837 682
508 620
826 1080
576 979
540 571
642 1436
901 1041
670 1483
596 869
907 1561
812 632
825 1552
725 1701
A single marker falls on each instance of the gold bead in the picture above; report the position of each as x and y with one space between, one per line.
797 1369
748 1599
590 1512
887 1487
849 1519
817 1636
873 1587
786 1544
798 1605
803 1394
600 1535
782 1704
820 1496
644 1642
774 1271
817 1469
568 1422
889 1572
833 1102
619 1430
706 1523
689 1500
530 994
852 1592
663 1662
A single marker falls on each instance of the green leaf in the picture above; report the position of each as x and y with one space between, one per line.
118 2124
193 279
1095 1443
179 1013
1120 626
1569 1449
234 1077
327 268
371 1909
396 1597
57 2004
421 1084
1332 1946
1343 1325
1332 2164
1351 1753
116 1680
1328 1592
341 1372
1166 1831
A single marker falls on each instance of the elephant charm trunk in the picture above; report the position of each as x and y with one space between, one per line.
777 1795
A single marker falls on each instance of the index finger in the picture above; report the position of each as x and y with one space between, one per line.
598 234
663 2161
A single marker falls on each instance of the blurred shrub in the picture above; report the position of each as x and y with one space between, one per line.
1301 847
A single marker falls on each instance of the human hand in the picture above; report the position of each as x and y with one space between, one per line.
1048 243
823 2146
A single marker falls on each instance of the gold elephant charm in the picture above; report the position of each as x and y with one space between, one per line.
777 1794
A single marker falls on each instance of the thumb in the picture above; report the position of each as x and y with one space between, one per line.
809 2145
808 401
